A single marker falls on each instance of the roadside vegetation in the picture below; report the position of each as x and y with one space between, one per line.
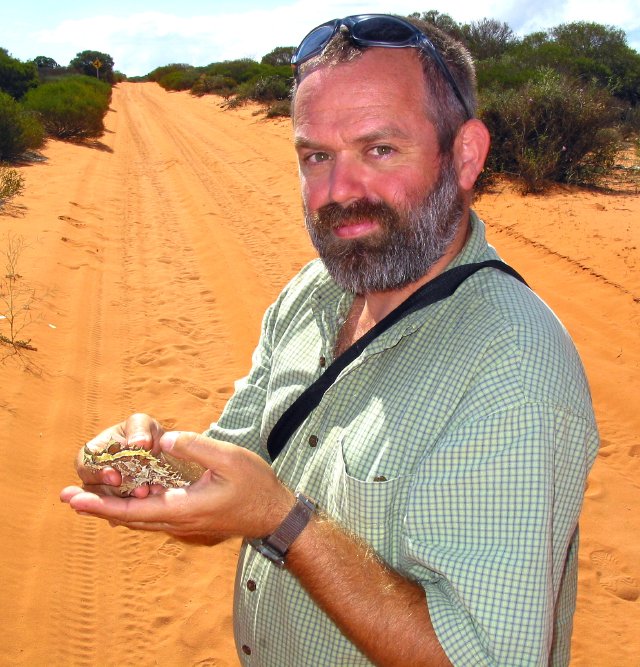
40 98
562 105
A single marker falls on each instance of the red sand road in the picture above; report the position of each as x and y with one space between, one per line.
153 256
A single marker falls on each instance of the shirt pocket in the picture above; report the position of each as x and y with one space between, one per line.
372 510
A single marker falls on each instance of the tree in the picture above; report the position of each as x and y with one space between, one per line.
601 53
281 55
488 38
441 21
16 77
94 63
43 62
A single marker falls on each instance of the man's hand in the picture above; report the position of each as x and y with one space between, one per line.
238 495
139 431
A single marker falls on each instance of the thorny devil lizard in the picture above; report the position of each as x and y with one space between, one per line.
140 466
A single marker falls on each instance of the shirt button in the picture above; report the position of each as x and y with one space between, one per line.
313 440
323 362
246 649
379 478
251 585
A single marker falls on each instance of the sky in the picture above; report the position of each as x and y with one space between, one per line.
141 35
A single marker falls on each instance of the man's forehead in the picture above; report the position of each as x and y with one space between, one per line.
380 77
368 132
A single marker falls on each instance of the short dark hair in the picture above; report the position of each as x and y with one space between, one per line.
442 106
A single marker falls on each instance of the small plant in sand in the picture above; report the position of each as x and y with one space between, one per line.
16 297
11 184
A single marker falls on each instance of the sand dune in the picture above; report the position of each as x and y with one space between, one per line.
153 256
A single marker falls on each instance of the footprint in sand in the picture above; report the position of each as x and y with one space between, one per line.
171 548
193 389
179 326
145 358
71 221
148 572
611 577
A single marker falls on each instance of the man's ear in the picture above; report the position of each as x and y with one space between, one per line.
470 151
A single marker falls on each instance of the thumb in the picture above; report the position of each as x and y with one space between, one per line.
192 447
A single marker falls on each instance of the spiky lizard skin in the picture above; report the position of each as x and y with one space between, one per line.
140 466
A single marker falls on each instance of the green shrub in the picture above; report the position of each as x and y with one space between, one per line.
552 129
179 79
240 70
279 108
11 184
269 89
71 108
213 85
159 72
16 77
504 72
264 90
20 130
236 102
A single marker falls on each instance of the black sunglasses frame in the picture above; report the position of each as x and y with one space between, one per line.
350 24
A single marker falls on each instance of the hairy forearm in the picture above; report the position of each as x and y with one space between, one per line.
384 614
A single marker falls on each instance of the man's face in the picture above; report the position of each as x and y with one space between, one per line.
380 204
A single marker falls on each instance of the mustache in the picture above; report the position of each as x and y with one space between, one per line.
332 215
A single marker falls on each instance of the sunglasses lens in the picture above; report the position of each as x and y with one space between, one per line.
314 42
383 29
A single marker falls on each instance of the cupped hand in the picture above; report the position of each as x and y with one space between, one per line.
238 495
139 431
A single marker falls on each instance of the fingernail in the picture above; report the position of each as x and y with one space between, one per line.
168 440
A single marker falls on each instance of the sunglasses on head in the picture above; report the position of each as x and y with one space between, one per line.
374 30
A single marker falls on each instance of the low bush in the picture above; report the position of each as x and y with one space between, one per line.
179 79
20 130
551 129
213 85
267 89
71 108
11 184
279 109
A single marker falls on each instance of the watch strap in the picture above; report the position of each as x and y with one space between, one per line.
275 546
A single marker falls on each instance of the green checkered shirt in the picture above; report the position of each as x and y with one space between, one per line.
457 445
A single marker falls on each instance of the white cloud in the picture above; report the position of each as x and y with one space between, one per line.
140 42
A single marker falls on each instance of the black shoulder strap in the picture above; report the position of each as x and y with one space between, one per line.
435 290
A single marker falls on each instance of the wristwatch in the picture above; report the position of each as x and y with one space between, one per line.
275 546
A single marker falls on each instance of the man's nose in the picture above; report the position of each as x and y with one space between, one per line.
348 182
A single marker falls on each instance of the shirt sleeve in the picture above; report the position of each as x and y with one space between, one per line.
492 516
241 419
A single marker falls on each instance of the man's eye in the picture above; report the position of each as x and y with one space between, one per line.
317 157
379 151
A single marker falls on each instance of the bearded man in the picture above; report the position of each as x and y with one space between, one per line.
406 459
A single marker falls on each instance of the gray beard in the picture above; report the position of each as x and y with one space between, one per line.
410 242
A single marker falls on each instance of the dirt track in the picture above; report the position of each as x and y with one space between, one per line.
154 255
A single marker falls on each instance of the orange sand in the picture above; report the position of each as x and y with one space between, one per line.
154 255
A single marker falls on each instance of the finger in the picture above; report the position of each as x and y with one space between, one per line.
98 489
153 508
209 453
106 476
142 431
143 525
69 492
112 433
